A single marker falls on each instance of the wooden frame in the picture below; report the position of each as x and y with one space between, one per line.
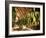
7 18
